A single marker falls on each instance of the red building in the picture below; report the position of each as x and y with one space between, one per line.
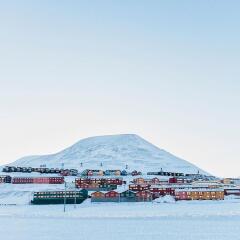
155 181
144 196
22 180
158 191
41 180
176 180
38 180
139 187
112 194
114 181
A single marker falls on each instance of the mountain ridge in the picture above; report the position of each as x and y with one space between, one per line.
112 151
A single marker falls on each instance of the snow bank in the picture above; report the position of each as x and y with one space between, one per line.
127 210
165 199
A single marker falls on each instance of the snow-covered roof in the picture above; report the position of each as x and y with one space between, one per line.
200 190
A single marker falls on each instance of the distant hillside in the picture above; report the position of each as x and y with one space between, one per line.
112 152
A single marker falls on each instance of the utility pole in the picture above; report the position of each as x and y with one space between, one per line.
65 195
75 197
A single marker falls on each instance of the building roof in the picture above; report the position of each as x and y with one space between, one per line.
200 190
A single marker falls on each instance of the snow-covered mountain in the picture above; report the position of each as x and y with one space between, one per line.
112 152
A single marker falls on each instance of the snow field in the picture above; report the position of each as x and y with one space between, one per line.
129 221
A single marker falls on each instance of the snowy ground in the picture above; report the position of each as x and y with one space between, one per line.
182 220
186 220
135 229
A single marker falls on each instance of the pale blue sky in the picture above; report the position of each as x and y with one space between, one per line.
166 70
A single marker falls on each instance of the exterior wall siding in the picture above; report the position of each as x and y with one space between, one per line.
116 199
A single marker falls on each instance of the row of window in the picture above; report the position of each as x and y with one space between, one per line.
59 192
189 193
58 196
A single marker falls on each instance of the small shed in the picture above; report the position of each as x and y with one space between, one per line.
128 196
144 196
98 197
112 196
124 173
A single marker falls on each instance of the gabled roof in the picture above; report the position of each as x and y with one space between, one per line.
98 193
128 191
116 193
145 192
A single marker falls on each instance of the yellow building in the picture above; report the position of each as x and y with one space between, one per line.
227 180
139 180
199 194
118 173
